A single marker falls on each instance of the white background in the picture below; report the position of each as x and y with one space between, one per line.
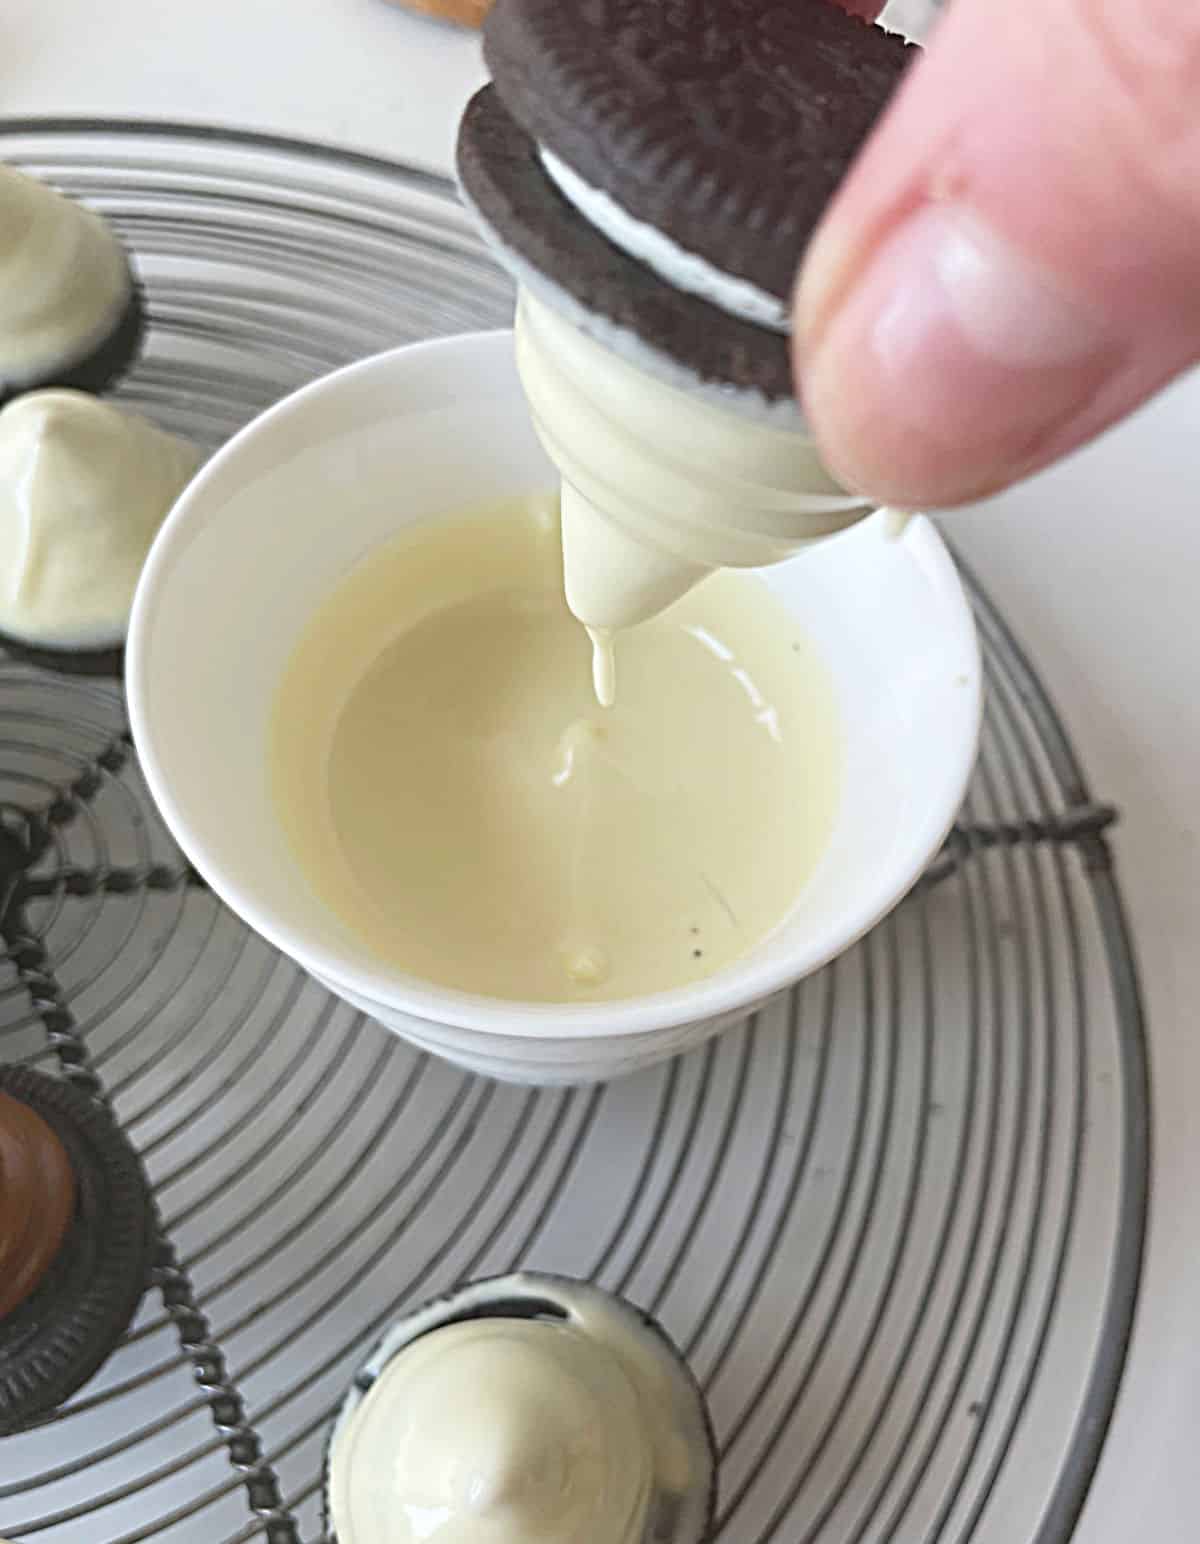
1096 565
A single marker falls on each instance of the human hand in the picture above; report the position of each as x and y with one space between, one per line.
1014 262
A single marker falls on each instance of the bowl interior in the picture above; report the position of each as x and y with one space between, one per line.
275 521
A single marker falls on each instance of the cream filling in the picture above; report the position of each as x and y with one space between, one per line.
506 1430
84 488
683 270
64 279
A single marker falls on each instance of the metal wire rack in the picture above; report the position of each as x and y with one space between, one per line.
895 1220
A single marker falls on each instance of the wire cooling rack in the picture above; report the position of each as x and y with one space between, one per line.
895 1220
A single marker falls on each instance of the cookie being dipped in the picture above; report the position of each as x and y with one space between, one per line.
651 175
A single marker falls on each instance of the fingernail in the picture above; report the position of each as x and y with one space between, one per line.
952 334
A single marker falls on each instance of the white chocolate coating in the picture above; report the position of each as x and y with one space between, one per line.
64 280
660 487
84 487
504 1428
510 1430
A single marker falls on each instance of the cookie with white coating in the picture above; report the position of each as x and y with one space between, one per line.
70 307
651 175
84 487
525 1409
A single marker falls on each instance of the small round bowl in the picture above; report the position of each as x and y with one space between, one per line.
275 521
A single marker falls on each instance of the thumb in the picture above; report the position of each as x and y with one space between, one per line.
1014 262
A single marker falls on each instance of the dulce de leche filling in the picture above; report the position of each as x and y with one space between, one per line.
37 1200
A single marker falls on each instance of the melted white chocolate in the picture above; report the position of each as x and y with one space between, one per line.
84 487
604 664
453 792
510 1430
64 279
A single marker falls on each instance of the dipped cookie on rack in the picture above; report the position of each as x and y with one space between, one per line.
70 306
84 487
76 1235
525 1409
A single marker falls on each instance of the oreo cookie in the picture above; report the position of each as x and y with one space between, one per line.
656 170
76 1238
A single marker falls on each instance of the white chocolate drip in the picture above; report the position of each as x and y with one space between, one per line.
604 665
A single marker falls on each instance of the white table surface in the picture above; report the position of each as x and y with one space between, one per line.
1096 565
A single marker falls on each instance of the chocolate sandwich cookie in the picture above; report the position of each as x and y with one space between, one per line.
526 1407
76 1234
656 171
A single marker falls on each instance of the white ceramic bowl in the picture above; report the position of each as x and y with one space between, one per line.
274 522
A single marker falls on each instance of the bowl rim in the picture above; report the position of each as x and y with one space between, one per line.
737 987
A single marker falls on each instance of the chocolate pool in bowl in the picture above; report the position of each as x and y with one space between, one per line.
269 529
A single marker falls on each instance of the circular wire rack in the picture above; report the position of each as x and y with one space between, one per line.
895 1219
